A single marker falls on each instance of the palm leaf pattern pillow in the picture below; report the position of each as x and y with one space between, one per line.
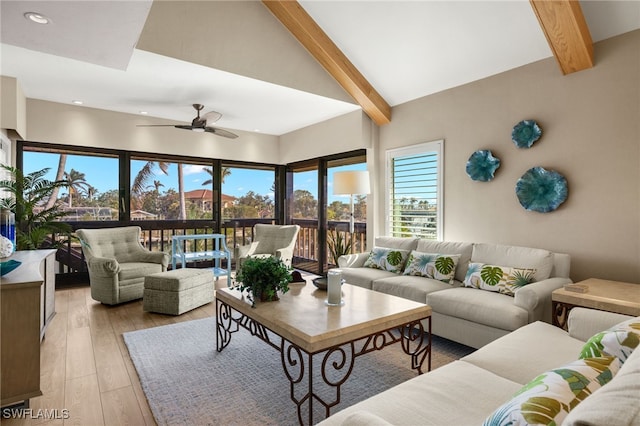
387 259
501 279
548 398
441 267
619 341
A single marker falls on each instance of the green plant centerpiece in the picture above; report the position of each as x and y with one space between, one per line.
28 199
339 245
263 278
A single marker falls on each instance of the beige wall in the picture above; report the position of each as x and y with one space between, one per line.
13 107
72 125
590 122
347 132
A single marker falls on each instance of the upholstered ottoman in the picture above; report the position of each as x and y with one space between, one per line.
178 291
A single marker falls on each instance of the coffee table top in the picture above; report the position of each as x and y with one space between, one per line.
613 296
301 316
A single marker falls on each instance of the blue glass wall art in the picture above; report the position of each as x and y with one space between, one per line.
482 165
525 133
541 190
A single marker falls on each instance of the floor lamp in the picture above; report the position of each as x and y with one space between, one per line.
350 183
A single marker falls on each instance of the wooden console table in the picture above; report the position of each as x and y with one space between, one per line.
604 295
28 305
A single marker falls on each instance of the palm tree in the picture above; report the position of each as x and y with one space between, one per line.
183 208
76 183
62 161
140 182
225 173
156 186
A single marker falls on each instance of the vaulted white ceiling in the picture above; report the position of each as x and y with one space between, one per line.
265 81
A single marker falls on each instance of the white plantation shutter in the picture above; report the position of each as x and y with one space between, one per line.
414 191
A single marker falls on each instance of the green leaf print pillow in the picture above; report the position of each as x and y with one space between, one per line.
387 259
501 279
548 398
441 267
619 341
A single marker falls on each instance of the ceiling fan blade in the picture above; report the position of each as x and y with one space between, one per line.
186 126
211 117
220 132
154 125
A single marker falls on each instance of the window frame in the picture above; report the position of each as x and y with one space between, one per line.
436 146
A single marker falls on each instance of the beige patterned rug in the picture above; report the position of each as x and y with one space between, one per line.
187 382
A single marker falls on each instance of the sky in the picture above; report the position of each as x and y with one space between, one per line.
102 173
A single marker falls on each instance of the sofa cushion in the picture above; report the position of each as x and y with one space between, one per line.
501 279
441 267
387 259
454 394
449 247
483 307
409 287
364 418
518 257
548 398
614 404
620 341
525 345
396 243
364 277
137 270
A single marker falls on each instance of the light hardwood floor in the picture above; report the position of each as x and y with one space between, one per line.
85 365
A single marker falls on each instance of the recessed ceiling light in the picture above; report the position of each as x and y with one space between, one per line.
76 102
37 18
144 112
256 130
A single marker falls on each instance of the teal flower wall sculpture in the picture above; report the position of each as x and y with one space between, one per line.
541 190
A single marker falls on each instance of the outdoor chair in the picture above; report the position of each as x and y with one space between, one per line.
269 240
118 263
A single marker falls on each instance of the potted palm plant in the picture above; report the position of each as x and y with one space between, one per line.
28 195
263 278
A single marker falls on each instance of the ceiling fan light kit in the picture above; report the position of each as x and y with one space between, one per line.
200 124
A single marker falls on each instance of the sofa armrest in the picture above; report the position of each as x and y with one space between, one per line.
154 257
535 298
285 254
246 250
353 260
103 267
584 323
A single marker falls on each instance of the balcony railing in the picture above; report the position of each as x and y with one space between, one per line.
156 236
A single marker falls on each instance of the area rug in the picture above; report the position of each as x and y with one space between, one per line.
187 382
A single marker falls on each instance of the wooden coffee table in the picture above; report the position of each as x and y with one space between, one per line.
300 326
604 295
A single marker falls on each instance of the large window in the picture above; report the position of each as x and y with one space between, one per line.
92 194
414 191
248 192
164 190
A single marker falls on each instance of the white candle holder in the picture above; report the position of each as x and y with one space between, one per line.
334 288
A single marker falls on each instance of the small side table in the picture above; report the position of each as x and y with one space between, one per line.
603 295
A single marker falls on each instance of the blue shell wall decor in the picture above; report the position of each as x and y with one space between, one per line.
482 165
525 133
541 190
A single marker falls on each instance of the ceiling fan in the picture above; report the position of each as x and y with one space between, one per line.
200 124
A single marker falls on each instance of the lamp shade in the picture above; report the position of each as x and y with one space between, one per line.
351 182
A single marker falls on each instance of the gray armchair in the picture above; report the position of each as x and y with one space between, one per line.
118 263
269 240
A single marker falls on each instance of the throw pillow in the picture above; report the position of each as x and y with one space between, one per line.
441 267
387 259
548 398
619 341
502 279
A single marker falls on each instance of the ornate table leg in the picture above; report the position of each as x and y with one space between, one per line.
223 325
417 344
335 368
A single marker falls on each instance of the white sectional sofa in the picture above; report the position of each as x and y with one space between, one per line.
468 315
482 384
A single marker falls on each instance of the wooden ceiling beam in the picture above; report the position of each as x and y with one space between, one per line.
293 16
567 32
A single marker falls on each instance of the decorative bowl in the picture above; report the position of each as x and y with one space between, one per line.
525 133
541 190
482 165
